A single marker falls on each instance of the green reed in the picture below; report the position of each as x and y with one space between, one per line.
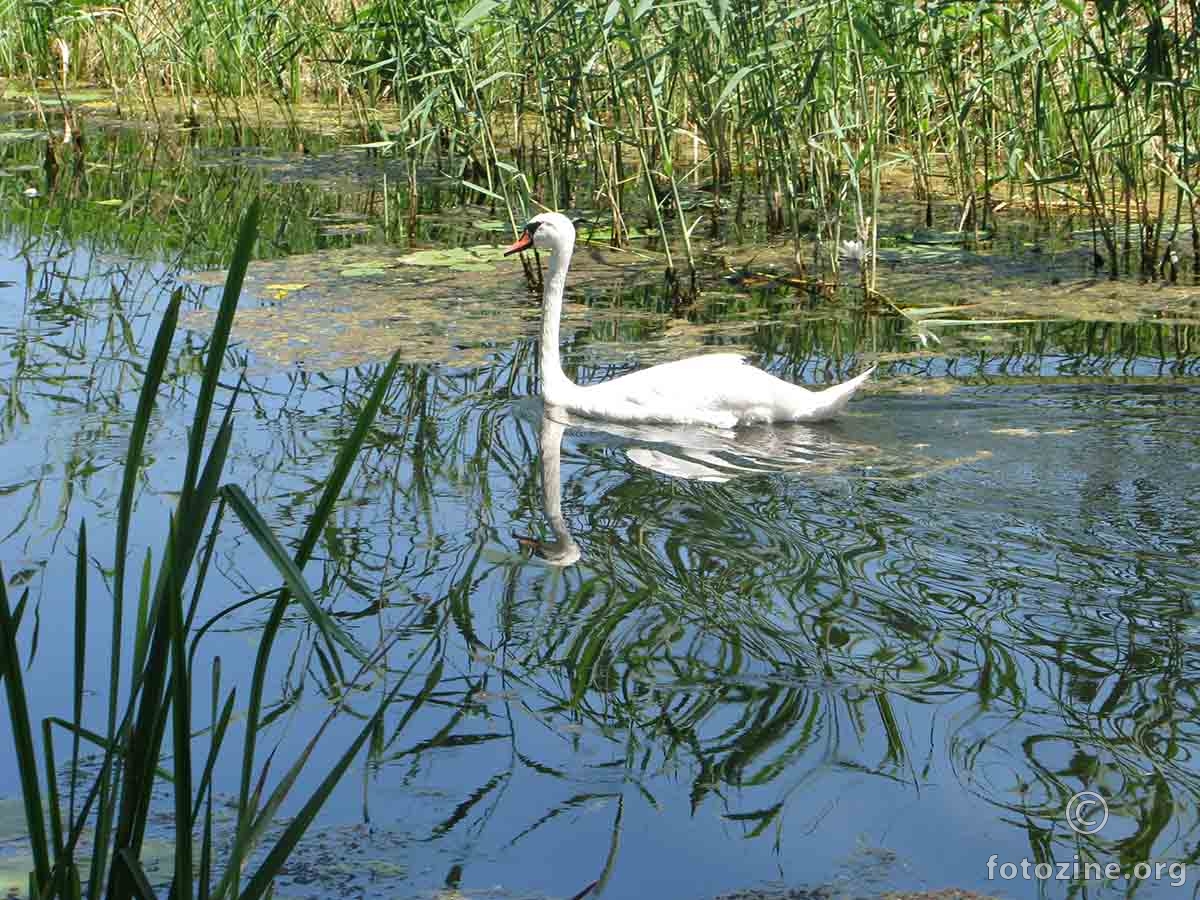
155 699
787 111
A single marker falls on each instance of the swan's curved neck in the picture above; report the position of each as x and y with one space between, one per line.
555 384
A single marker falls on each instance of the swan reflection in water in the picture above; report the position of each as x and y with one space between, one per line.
707 455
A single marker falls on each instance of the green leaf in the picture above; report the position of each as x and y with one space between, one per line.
133 460
81 606
363 271
137 875
181 745
482 190
344 462
152 379
495 76
258 529
347 453
479 258
871 38
262 879
218 342
20 135
218 738
18 717
475 13
732 83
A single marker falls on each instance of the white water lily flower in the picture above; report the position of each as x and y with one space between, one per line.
855 251
924 336
31 192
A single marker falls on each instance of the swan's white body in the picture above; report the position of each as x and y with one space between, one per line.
721 389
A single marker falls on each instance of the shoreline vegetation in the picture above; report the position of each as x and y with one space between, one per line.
795 114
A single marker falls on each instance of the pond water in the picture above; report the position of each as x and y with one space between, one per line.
865 656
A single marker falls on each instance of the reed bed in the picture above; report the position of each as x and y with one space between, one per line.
795 114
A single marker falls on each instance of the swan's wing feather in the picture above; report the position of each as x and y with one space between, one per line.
701 389
694 378
719 389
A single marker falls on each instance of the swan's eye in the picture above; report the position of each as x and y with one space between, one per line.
532 227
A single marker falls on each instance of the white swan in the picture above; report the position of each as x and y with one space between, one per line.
718 389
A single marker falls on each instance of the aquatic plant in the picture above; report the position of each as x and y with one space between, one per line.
154 697
700 112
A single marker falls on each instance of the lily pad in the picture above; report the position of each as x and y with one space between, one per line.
914 312
931 236
86 96
279 291
480 258
604 233
157 859
362 271
1030 432
358 306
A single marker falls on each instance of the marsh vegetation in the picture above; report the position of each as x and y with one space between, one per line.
300 593
799 116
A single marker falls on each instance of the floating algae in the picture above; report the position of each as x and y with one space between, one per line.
344 307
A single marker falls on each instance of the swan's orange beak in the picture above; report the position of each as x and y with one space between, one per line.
524 242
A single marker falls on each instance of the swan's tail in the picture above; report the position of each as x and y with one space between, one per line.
833 400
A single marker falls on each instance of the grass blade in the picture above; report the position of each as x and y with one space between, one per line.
258 528
180 696
54 805
133 461
18 715
344 461
218 738
205 874
145 736
218 342
260 883
142 629
333 485
80 657
137 875
18 614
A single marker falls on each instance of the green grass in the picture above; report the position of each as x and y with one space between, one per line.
154 715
